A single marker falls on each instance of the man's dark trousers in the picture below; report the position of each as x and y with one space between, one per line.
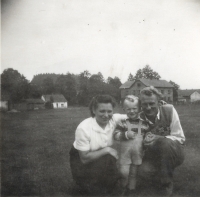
161 159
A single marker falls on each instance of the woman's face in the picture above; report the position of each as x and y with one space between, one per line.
103 113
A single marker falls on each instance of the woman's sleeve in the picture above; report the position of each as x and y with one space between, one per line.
82 140
119 117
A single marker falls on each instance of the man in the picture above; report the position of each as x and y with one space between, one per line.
164 148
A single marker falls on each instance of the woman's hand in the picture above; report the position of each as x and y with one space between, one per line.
112 152
88 156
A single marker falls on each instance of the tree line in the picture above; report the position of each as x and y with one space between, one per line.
77 89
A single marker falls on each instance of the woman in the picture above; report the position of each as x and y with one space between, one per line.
92 159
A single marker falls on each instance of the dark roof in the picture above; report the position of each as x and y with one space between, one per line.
127 84
55 98
156 83
38 101
149 82
187 92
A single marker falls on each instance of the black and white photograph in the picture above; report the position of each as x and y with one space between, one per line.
100 98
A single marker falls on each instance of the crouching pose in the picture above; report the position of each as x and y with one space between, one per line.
165 144
130 133
92 159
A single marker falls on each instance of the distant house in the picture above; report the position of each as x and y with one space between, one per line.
4 102
28 104
57 100
3 105
134 87
188 95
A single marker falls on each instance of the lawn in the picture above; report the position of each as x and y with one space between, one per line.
35 152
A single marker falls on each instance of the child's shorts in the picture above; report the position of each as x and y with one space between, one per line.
131 151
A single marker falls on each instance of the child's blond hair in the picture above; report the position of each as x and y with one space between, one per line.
132 98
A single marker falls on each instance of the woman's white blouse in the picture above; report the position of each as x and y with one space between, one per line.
90 136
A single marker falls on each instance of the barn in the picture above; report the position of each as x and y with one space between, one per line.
189 95
134 87
57 100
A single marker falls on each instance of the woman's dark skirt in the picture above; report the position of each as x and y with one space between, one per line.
96 178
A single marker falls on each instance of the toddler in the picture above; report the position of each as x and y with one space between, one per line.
130 133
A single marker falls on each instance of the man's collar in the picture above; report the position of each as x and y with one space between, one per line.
158 114
143 117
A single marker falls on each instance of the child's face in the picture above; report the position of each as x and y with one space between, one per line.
131 109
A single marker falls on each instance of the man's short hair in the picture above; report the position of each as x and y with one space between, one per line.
149 91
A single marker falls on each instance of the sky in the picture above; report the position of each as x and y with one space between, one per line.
114 37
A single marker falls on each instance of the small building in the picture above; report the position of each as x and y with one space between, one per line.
57 100
181 99
28 104
189 95
3 105
33 104
134 87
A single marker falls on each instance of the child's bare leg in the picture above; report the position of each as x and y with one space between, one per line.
124 172
132 177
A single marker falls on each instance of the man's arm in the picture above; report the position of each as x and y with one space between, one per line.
176 129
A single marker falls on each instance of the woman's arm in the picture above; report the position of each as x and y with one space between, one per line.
88 156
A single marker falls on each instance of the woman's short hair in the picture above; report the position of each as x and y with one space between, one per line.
149 91
100 99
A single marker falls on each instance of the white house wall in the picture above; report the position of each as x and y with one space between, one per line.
43 98
4 105
195 97
60 105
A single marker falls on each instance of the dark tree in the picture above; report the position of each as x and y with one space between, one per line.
48 86
15 85
114 81
66 85
130 77
96 85
147 73
35 91
97 78
83 91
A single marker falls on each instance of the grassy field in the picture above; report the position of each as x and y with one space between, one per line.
35 152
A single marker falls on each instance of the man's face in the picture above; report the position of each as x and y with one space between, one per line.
150 105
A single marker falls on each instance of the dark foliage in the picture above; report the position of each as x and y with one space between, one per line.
147 73
14 85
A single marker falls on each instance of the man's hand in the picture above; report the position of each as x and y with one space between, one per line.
150 139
